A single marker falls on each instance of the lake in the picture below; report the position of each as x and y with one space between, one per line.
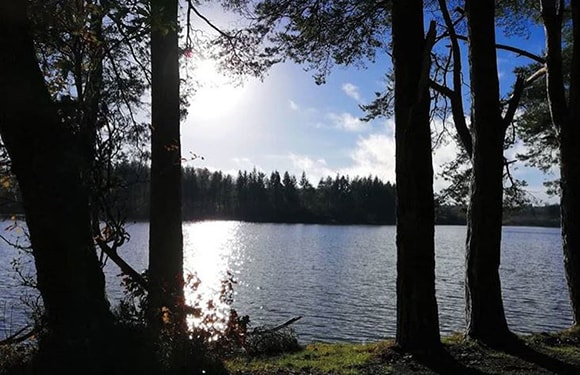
340 279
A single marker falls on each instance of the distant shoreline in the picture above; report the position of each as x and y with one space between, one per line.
540 216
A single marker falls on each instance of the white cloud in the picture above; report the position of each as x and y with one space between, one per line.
315 169
373 155
443 154
539 195
348 122
293 105
244 164
352 91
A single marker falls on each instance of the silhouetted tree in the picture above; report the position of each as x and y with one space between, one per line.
347 32
46 161
485 313
165 235
564 104
417 316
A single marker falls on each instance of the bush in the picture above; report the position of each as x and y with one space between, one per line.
264 341
16 358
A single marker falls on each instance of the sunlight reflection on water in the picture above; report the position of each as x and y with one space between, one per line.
340 279
210 250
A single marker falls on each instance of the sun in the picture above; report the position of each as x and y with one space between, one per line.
217 95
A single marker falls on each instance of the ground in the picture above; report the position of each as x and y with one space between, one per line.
557 353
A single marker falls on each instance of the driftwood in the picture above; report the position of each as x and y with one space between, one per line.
19 337
259 331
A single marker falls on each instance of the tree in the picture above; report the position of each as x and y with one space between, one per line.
165 233
565 115
348 32
485 313
483 146
47 164
417 317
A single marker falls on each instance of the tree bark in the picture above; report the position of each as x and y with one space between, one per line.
47 165
484 307
566 118
417 316
165 235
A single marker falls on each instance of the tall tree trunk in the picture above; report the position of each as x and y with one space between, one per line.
417 317
165 235
484 307
46 162
566 119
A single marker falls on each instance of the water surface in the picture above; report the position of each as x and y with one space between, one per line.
341 279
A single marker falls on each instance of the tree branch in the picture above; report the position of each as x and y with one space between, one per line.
191 7
455 95
429 42
516 96
513 49
16 338
514 101
124 266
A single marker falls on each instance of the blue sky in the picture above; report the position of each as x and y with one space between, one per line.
288 123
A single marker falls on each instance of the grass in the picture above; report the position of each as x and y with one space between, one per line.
339 359
557 353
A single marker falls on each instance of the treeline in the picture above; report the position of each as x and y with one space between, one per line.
282 198
528 215
279 198
256 196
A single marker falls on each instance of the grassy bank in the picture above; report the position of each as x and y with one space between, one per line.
531 354
557 353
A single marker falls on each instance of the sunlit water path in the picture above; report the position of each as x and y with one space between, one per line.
341 279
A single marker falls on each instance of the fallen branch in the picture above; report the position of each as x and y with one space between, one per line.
124 266
259 331
16 338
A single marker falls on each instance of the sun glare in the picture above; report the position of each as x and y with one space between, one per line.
210 250
217 94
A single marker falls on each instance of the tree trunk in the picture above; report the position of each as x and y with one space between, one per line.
46 162
566 119
570 208
484 307
165 235
417 317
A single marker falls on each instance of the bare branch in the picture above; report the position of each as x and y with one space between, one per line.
441 89
513 49
191 7
455 95
514 101
18 337
540 73
429 42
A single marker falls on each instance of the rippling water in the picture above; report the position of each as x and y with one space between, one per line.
341 279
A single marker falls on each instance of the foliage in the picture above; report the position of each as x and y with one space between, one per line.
214 330
322 34
17 358
534 124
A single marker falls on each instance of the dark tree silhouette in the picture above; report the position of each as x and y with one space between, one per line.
165 233
47 164
417 317
485 313
565 115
